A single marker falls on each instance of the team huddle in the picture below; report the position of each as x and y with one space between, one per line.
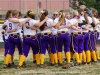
77 34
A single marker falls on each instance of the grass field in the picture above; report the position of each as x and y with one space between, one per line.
31 69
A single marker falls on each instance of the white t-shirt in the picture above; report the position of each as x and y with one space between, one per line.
48 23
73 22
28 31
12 26
90 21
97 21
6 35
83 19
54 30
65 23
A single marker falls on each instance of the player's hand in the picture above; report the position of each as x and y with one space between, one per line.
80 30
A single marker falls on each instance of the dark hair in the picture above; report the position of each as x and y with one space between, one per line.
62 16
20 14
31 14
42 18
8 14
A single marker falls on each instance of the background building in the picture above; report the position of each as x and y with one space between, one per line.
24 5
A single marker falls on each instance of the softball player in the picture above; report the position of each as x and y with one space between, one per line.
14 37
85 29
77 37
46 37
54 33
5 37
63 37
30 39
96 34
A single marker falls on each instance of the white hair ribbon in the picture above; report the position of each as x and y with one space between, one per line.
42 11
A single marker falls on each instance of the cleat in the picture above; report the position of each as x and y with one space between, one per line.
24 64
18 67
60 64
71 64
12 64
89 63
56 65
83 63
77 64
38 65
41 66
9 65
50 64
34 61
5 66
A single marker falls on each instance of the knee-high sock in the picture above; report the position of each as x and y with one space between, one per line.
80 56
4 59
34 57
88 56
55 58
37 58
67 54
77 57
8 57
42 58
22 59
59 54
93 55
84 56
52 58
97 54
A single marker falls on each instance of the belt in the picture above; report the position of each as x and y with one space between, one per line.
95 31
29 35
15 34
62 31
46 33
76 33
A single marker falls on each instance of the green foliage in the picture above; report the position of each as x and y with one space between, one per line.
89 3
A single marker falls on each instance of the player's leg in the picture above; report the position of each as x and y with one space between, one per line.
80 46
67 41
11 50
43 45
19 45
51 42
93 54
75 47
26 48
59 47
36 49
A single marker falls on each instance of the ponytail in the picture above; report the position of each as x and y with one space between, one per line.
62 17
44 14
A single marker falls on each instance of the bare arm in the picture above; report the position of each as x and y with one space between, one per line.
75 27
9 31
57 25
37 25
66 26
